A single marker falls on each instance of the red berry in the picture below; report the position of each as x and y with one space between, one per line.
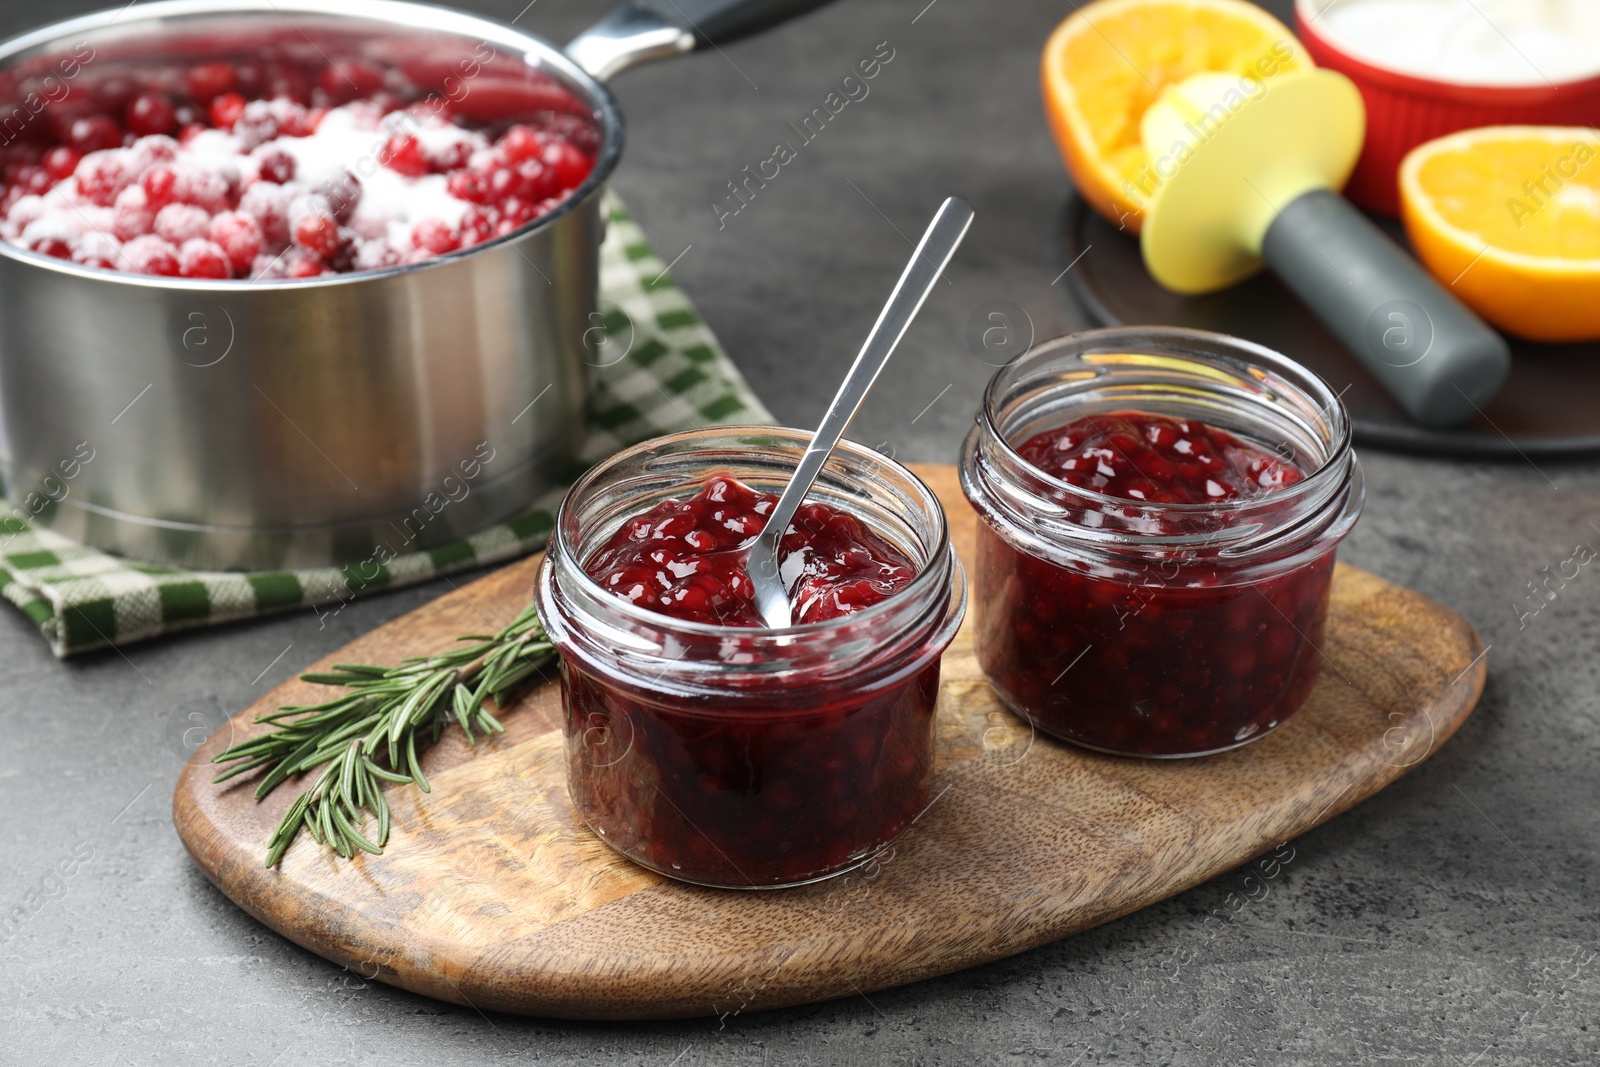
51 246
102 175
179 223
454 156
468 185
304 266
268 204
569 162
275 165
402 153
538 181
226 109
519 143
132 216
207 81
150 113
203 259
35 179
158 183
436 235
239 237
289 82
61 161
151 255
98 250
317 233
477 226
348 79
204 188
256 124
503 182
152 150
94 133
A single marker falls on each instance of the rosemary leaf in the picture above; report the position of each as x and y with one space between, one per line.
375 722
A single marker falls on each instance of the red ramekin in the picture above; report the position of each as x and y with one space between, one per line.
1404 110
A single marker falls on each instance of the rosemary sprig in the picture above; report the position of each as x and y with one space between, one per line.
368 736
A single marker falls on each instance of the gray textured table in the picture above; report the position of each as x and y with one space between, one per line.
1451 919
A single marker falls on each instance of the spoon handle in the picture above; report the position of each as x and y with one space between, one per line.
933 254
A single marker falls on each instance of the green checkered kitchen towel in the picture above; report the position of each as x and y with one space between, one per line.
675 376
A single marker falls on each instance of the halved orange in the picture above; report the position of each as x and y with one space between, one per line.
1107 63
1508 217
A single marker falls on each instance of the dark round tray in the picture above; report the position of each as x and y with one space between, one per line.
1550 405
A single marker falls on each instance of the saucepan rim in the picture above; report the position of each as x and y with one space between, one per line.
402 14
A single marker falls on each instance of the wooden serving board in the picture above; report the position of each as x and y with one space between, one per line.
492 892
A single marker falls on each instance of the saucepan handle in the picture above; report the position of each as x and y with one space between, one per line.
654 29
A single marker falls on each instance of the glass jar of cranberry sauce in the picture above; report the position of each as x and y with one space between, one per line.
735 755
1128 601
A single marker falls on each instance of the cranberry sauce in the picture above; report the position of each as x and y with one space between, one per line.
1182 659
686 559
769 780
769 793
266 170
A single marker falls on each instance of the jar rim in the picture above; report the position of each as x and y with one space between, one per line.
1183 342
929 573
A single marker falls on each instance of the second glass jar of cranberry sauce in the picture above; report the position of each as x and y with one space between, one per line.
703 745
1159 514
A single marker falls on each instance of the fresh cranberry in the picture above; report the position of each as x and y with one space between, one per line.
519 143
150 113
377 254
268 204
132 214
469 185
453 156
342 191
239 236
686 559
102 175
537 181
61 161
94 133
288 82
51 246
436 235
179 223
226 110
208 189
304 266
199 258
570 164
275 165
98 250
256 124
207 81
318 233
158 184
1183 658
503 182
403 153
344 80
151 255
35 179
154 150
477 226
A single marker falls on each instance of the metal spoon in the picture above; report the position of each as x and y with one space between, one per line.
938 244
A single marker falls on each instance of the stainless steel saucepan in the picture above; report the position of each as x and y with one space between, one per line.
299 423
